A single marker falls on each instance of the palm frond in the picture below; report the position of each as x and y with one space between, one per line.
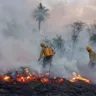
40 14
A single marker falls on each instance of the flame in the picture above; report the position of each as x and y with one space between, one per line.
6 78
27 76
27 70
79 77
46 80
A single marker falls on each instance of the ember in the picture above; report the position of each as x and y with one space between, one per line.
46 80
27 76
29 83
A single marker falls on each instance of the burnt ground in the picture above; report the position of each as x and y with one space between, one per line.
65 88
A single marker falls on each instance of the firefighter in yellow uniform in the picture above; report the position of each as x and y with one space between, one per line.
92 56
48 54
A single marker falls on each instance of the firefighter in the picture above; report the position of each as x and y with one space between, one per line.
48 54
92 56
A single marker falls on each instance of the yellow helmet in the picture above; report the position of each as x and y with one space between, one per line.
88 48
42 44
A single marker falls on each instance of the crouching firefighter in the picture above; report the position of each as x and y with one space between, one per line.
92 56
48 53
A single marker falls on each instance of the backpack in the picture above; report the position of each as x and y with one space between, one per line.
48 51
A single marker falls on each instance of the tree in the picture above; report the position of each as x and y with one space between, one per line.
92 30
77 27
48 41
59 43
40 14
12 29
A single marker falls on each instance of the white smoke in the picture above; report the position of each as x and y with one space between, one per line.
19 36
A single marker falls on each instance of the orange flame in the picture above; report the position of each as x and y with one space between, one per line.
79 77
27 77
6 78
45 80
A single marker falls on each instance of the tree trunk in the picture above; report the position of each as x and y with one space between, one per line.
39 24
73 47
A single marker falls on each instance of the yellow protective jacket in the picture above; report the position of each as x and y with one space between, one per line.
92 56
46 51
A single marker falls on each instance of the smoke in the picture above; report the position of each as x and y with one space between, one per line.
18 42
19 36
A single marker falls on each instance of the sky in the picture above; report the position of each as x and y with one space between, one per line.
63 12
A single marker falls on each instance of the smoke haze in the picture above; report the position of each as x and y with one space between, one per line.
19 36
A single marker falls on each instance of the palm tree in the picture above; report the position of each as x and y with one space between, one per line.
40 14
77 27
59 43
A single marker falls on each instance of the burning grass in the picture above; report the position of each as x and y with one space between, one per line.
26 76
27 83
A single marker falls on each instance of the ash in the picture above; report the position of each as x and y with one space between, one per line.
36 88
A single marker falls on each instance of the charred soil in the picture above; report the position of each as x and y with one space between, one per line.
36 88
